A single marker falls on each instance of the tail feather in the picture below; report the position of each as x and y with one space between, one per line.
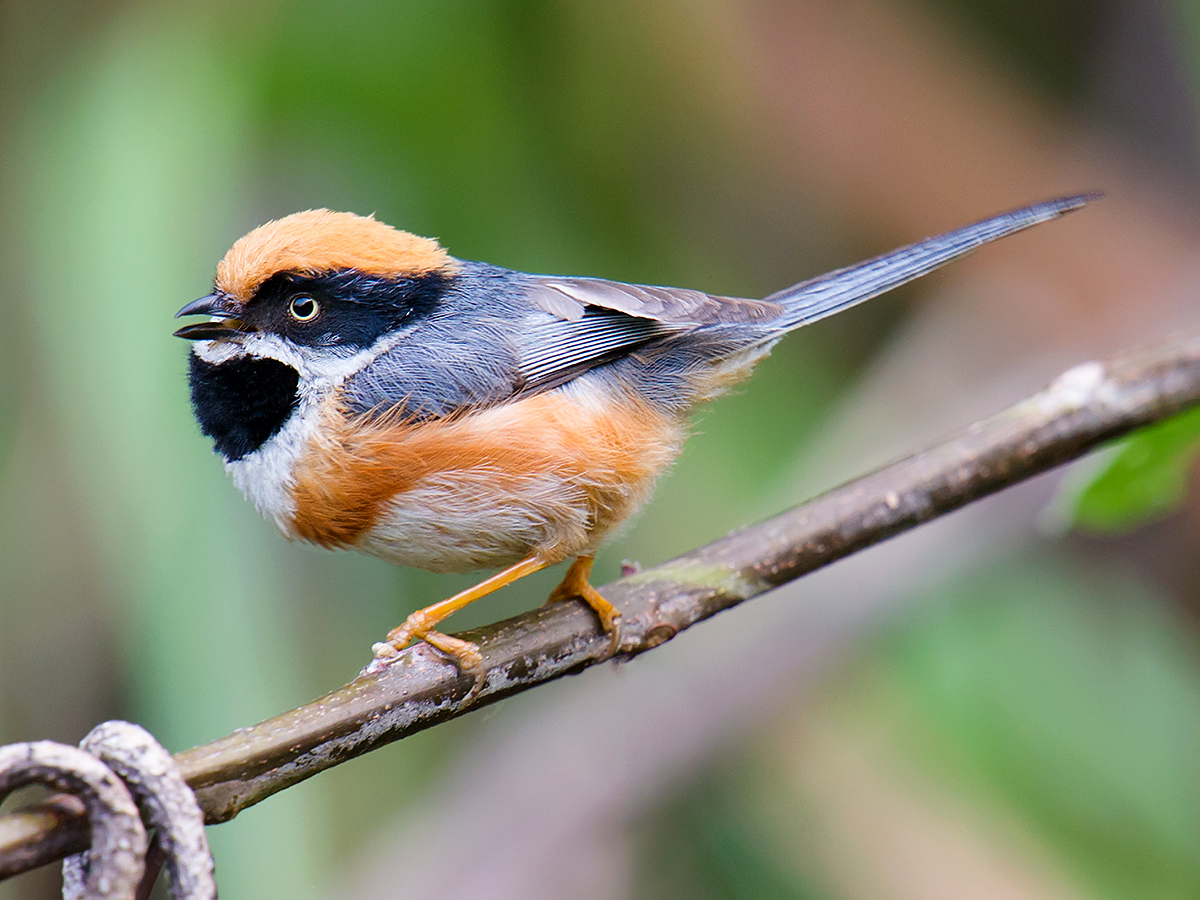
827 294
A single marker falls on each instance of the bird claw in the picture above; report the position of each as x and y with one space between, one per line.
465 653
615 633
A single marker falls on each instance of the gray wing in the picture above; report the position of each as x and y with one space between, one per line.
538 332
553 351
569 298
593 321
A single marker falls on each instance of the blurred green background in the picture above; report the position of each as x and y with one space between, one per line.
1019 720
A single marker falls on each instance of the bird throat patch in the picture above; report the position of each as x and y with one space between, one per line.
241 404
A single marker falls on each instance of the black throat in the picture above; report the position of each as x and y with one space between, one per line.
242 403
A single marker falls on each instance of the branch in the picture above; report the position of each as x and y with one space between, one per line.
1083 407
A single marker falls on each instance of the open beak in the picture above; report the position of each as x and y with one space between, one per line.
224 324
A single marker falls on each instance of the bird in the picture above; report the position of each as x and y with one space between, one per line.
367 390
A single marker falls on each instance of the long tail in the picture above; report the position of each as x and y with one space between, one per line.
827 294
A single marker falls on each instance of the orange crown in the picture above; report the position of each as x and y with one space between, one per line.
318 241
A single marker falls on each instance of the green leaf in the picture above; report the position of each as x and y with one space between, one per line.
1143 477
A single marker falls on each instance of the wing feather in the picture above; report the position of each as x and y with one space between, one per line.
569 298
556 350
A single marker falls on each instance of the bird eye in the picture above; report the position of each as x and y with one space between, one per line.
303 308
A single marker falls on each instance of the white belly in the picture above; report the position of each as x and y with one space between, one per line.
462 521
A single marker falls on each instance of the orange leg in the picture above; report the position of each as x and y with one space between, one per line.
420 624
576 584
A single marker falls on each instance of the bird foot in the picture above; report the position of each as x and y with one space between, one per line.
576 584
465 653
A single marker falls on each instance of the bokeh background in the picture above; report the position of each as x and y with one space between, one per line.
1003 704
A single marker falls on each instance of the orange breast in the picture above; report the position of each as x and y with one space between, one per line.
574 447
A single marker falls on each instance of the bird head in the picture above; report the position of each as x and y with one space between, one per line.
298 305
316 286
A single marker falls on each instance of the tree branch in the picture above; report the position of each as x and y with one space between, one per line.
1085 406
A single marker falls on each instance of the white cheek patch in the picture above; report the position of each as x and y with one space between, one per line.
319 367
216 352
273 347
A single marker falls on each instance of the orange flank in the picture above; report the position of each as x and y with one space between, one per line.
601 456
318 241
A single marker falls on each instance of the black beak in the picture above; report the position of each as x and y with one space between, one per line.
227 323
